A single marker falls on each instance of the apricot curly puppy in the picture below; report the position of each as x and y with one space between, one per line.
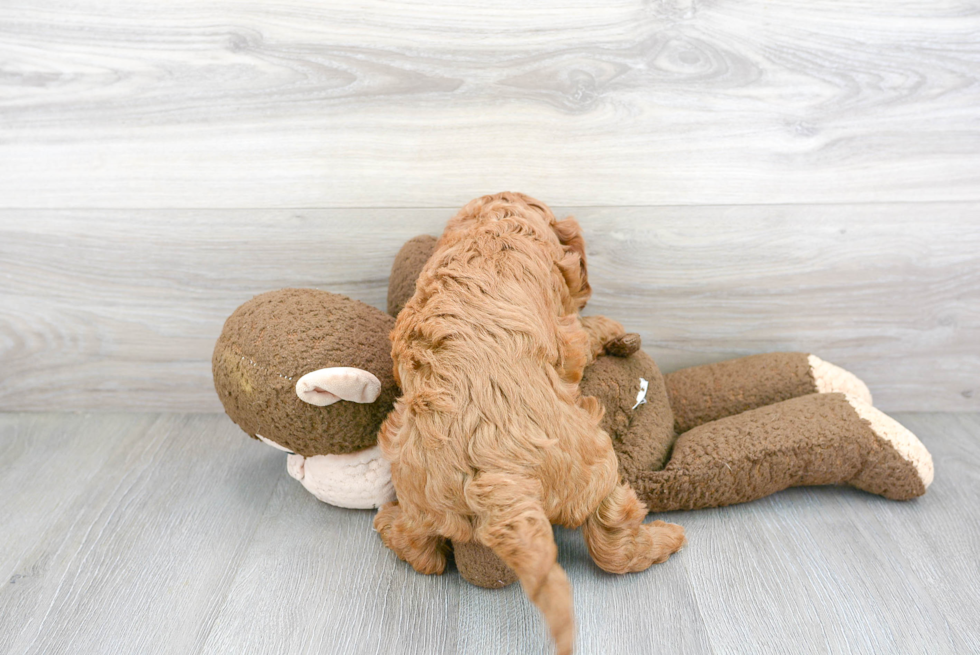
491 439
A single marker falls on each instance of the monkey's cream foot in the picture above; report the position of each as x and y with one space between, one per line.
901 467
833 379
361 480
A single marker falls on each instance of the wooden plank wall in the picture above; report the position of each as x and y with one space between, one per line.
121 308
752 176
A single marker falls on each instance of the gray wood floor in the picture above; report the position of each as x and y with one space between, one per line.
174 533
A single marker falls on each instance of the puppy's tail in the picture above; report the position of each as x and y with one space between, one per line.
513 524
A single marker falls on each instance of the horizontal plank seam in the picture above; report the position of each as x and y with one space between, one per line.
454 208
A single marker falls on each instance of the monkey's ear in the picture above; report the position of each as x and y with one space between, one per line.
329 385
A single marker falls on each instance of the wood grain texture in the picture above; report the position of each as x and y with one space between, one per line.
832 570
122 532
120 309
286 600
306 103
177 534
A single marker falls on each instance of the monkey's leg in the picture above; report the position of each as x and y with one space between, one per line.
812 440
707 393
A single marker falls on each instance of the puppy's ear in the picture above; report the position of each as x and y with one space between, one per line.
572 264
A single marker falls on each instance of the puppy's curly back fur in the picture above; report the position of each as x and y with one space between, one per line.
491 440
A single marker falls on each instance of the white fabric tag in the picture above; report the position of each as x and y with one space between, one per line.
641 397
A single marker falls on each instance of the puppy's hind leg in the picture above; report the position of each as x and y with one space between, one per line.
425 551
620 542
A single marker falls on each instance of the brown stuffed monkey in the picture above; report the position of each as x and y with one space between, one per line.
309 372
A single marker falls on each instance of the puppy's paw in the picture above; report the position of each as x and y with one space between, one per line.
667 539
384 519
623 345
425 552
428 561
